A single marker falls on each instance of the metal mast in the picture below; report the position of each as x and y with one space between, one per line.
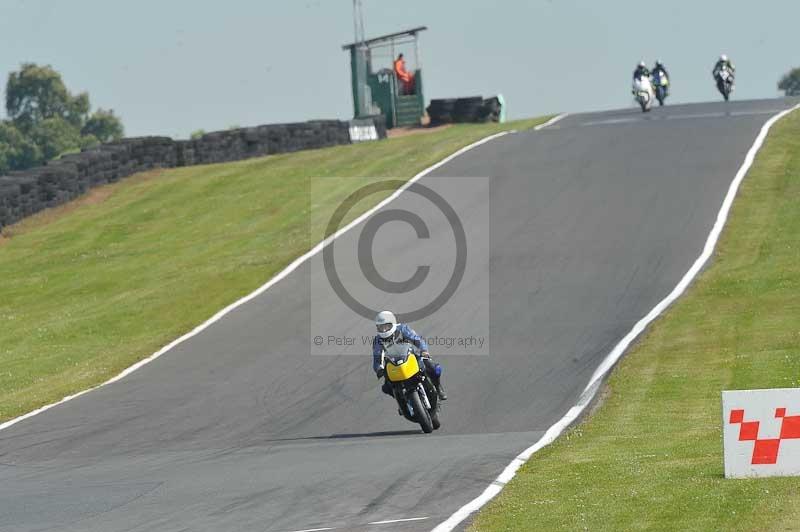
360 59
358 21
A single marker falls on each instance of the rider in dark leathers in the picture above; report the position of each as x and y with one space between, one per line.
390 331
657 69
724 61
660 68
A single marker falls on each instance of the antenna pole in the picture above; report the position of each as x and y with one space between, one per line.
358 21
363 98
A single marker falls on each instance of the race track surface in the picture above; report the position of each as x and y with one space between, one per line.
593 221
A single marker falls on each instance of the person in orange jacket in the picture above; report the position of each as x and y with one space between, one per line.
405 77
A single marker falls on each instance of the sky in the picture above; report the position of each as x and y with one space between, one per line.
172 67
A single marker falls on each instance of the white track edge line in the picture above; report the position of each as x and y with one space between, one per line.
263 288
594 383
391 521
552 121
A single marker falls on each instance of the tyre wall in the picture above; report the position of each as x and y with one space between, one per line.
27 192
464 110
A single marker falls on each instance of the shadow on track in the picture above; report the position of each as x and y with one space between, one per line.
384 434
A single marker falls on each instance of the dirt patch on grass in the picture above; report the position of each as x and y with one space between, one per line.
406 131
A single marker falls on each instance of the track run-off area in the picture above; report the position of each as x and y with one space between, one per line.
594 220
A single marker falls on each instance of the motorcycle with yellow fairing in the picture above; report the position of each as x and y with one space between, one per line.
412 388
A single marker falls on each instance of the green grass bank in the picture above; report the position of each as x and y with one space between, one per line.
650 458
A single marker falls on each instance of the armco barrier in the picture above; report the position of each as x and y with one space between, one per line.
26 192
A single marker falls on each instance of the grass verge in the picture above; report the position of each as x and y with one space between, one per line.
92 287
650 458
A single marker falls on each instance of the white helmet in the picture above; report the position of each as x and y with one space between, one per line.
723 57
642 64
386 323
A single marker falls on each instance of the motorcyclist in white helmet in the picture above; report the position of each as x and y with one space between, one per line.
724 61
641 71
390 331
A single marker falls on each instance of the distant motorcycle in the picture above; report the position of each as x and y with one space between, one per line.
643 92
725 82
415 393
661 84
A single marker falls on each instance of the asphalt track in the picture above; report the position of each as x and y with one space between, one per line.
593 221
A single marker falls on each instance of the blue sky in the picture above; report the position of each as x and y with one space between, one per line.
170 67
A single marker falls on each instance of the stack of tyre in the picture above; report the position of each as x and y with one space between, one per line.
491 109
29 191
242 143
441 111
474 109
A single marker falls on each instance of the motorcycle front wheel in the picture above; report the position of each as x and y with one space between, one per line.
421 413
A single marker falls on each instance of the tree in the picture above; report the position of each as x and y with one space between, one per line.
77 110
790 83
197 134
47 120
88 141
104 126
37 93
55 136
17 152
